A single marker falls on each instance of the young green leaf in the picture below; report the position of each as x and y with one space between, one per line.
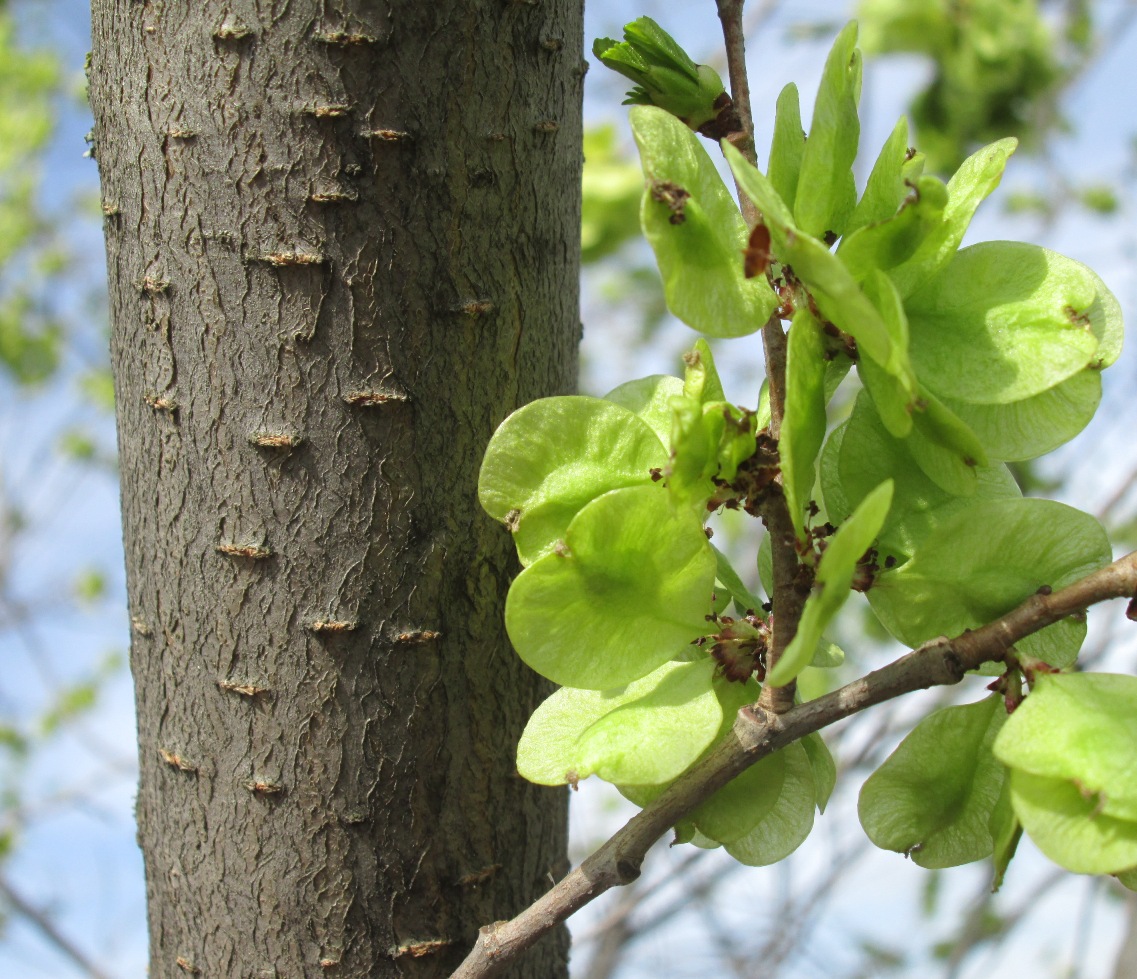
627 591
934 796
982 561
700 376
885 189
709 438
803 425
696 433
1105 319
889 243
1068 827
945 448
650 399
1033 426
973 182
827 656
696 231
1002 322
838 295
823 767
1128 879
788 823
787 146
891 385
741 804
643 734
746 798
1080 728
1006 832
836 501
550 458
835 573
861 454
827 192
745 601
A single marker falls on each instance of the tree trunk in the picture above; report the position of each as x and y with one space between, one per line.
343 244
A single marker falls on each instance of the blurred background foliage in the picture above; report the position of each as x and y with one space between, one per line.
71 895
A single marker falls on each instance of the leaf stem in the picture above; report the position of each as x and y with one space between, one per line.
759 732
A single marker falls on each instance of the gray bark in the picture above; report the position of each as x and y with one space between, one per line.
343 242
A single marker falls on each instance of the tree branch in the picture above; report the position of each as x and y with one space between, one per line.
48 929
788 599
758 733
734 36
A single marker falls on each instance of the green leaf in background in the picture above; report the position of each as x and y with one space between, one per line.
664 74
696 231
981 562
997 67
786 826
803 425
827 192
823 767
934 796
30 355
1002 322
648 732
787 146
628 590
611 187
550 458
835 574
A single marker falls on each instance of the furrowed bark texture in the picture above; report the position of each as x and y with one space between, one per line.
343 240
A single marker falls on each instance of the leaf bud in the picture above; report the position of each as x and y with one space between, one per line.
664 75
